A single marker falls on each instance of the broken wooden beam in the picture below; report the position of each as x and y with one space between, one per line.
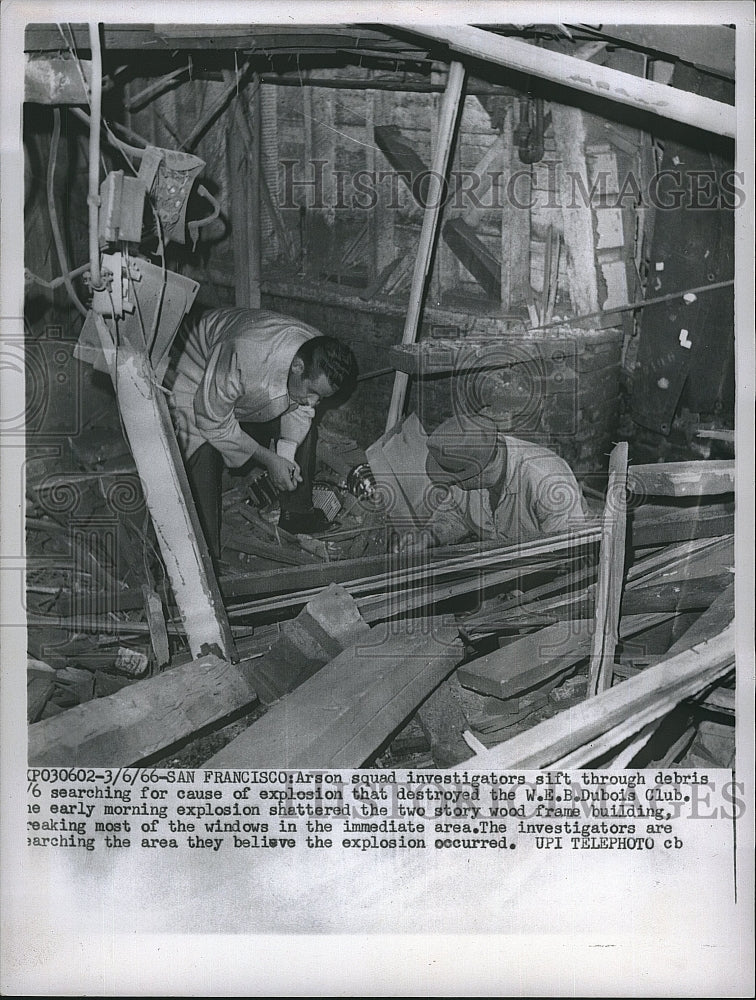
342 714
610 574
144 718
152 440
244 196
581 734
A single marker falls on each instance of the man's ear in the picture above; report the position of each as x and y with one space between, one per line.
297 366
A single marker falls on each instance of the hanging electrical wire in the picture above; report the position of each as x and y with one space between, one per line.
60 247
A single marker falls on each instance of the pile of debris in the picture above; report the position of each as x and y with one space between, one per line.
607 646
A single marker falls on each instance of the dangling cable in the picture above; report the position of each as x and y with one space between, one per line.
60 247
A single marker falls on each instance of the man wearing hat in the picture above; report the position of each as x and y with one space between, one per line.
497 486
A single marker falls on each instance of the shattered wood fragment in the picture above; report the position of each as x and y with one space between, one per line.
443 720
326 625
339 717
158 633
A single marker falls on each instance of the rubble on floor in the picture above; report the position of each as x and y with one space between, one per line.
495 642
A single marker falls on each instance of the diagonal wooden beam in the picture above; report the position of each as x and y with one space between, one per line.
151 438
611 84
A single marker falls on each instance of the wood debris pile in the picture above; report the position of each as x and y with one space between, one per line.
571 649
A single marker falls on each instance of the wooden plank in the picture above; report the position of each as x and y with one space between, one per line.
577 217
449 115
658 525
632 705
522 664
341 715
143 718
526 662
601 81
464 243
683 479
244 197
610 574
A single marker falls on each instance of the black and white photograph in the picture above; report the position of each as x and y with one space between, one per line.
377 498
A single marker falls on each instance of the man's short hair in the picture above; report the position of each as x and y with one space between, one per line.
331 357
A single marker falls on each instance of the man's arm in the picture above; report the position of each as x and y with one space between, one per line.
558 501
221 386
448 524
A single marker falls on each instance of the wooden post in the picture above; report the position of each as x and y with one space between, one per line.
611 84
447 121
153 444
611 568
577 216
244 179
254 216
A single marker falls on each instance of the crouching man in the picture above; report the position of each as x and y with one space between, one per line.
492 486
246 386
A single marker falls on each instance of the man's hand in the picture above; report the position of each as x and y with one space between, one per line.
284 475
413 542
